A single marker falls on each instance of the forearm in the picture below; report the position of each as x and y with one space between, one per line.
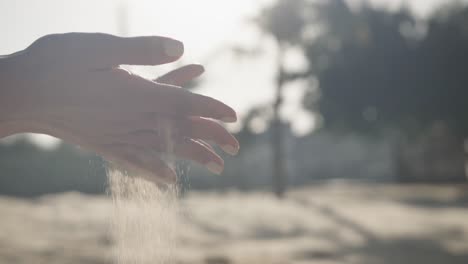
8 128
11 120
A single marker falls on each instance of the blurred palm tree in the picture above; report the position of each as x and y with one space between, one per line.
284 22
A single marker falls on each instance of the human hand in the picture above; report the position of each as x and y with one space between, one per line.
71 87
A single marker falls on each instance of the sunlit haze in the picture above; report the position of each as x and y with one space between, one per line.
209 29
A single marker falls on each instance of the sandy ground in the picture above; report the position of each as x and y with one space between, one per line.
324 224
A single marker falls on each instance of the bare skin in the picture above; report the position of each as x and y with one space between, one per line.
70 86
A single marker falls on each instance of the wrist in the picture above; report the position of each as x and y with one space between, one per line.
12 118
8 127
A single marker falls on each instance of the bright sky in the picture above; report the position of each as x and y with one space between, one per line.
206 27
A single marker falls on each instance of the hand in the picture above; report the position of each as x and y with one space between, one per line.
71 87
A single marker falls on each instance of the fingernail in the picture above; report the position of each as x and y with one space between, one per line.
173 48
230 149
214 167
229 119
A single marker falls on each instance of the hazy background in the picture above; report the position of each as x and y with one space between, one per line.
389 125
353 131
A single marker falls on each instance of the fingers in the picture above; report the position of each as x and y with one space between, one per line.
139 162
145 131
204 106
200 153
182 75
147 96
103 51
188 149
206 129
151 50
206 144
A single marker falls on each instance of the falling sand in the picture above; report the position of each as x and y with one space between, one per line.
144 220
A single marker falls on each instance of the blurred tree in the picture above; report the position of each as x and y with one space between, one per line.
380 69
284 22
377 70
28 170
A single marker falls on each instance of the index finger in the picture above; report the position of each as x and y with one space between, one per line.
151 97
181 102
